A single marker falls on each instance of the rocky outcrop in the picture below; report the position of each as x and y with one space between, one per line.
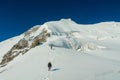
40 39
32 30
25 45
15 51
21 44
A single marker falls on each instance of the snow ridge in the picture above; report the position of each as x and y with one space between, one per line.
26 55
64 33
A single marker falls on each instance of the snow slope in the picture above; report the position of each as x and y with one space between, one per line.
80 52
5 46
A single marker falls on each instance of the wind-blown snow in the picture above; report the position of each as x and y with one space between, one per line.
80 52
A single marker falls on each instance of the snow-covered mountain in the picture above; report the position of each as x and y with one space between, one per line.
80 52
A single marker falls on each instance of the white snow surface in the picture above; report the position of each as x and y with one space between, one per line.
80 52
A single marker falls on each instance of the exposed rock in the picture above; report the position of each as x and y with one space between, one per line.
24 45
35 28
39 39
21 44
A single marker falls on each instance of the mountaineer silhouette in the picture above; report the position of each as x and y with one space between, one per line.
51 46
49 66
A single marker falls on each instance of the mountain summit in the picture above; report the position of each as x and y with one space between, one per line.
64 33
95 44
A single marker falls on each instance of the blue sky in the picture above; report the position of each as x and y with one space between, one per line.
17 16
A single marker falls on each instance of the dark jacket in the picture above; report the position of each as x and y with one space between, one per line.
49 64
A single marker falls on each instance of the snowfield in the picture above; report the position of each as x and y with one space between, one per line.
80 52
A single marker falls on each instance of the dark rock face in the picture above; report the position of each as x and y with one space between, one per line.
15 51
24 46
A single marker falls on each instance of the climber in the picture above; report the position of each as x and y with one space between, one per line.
51 46
49 66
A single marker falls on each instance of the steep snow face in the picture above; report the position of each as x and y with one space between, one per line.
68 34
64 33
